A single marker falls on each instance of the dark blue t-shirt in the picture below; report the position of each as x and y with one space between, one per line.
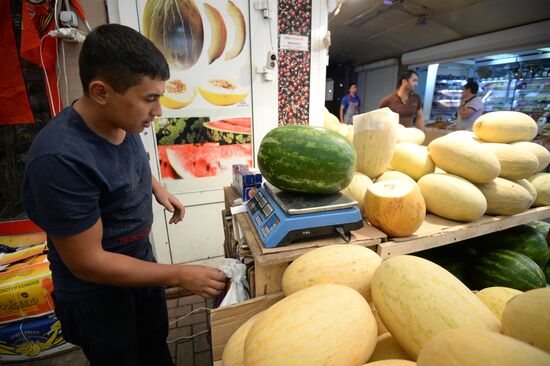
72 178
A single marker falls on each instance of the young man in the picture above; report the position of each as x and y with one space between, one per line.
405 102
350 106
88 185
471 107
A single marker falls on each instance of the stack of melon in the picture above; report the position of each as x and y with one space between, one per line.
495 172
425 316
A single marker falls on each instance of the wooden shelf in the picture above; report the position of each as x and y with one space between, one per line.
437 231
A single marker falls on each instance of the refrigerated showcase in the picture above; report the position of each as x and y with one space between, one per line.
446 99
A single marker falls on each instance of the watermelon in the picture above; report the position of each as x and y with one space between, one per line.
456 259
229 131
541 226
547 272
506 268
306 159
522 239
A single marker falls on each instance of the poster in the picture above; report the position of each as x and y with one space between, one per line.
206 124
294 61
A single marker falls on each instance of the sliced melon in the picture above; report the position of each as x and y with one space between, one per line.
222 92
178 94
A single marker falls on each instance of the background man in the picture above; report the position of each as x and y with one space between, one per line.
471 106
405 102
350 105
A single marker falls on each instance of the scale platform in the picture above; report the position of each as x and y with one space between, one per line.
281 217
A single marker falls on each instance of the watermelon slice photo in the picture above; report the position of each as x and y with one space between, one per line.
229 131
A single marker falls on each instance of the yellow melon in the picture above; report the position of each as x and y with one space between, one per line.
542 153
505 127
515 162
387 348
411 134
412 159
495 298
541 181
233 352
321 325
357 190
505 197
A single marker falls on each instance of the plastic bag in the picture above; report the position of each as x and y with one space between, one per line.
238 289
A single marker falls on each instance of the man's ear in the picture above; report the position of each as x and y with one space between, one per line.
99 91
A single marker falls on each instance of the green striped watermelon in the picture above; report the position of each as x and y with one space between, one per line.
522 239
547 272
306 159
506 268
541 226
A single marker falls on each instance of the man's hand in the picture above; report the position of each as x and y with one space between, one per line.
201 280
169 202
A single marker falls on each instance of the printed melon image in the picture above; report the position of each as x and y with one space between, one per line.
178 94
229 131
222 92
206 160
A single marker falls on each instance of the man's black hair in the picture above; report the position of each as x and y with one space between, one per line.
121 57
406 75
472 86
350 85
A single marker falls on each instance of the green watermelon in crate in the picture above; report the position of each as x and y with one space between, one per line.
506 268
541 226
522 239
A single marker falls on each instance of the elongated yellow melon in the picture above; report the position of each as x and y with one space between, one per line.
417 299
541 181
542 153
505 127
396 207
394 175
391 363
452 197
465 158
411 134
379 324
330 121
321 325
233 352
412 159
387 348
357 190
505 197
515 163
345 264
529 187
477 347
527 317
495 298
374 139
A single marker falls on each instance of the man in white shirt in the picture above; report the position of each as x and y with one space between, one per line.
471 106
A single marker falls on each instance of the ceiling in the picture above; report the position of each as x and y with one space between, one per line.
364 31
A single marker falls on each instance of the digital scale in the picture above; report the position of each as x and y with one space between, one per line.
281 217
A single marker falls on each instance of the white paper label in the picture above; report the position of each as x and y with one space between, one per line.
292 42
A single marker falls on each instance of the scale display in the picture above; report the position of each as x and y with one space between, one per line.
281 218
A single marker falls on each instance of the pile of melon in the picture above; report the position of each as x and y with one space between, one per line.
494 170
346 307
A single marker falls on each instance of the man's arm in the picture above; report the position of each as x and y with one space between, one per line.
420 123
383 103
341 113
169 201
83 254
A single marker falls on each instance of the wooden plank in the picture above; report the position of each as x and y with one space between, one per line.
437 231
230 195
269 279
225 321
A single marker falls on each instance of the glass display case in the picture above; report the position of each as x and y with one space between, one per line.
446 100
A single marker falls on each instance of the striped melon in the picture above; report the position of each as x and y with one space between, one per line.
344 264
387 348
396 207
505 197
410 134
412 160
478 347
529 188
233 352
374 139
417 299
541 181
320 325
379 324
502 267
452 197
495 298
357 190
465 158
505 127
306 159
515 163
391 363
542 153
527 317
